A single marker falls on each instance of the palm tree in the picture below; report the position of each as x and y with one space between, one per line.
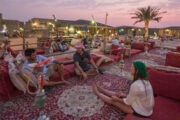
146 15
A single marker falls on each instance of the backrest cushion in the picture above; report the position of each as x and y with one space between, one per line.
178 49
165 83
139 46
173 59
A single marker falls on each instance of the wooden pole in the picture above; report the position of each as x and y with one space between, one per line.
105 31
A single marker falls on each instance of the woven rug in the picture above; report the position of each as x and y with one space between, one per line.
73 102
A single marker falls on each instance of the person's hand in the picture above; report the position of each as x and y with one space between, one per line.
97 70
115 98
120 95
19 67
84 75
66 82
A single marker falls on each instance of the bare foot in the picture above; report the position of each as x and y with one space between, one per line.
81 77
99 88
94 87
63 82
66 82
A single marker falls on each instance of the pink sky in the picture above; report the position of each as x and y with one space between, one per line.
118 10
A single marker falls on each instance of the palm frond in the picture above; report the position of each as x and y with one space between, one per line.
138 21
157 19
147 14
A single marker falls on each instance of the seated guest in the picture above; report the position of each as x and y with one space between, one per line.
82 68
62 45
31 57
54 45
84 40
97 41
47 43
47 46
4 49
140 99
115 42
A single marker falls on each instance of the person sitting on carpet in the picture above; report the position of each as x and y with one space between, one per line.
84 40
139 101
31 57
47 46
115 41
82 68
47 43
63 47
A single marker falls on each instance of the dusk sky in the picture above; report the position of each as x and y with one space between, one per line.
118 10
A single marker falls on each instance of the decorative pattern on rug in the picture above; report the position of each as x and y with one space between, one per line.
80 101
23 108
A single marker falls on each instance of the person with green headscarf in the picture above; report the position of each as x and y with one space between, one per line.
140 99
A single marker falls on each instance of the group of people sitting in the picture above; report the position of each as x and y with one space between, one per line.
82 68
57 44
139 101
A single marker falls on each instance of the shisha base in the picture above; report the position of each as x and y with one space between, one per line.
145 62
145 57
43 117
40 99
121 74
161 52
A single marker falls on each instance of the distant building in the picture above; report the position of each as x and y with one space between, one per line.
37 26
12 25
128 30
171 31
42 27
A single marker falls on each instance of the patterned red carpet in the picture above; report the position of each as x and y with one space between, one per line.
76 101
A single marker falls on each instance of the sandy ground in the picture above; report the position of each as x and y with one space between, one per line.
14 41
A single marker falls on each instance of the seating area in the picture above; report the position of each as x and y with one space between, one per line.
165 85
135 49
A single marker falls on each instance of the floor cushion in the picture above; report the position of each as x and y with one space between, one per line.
95 58
7 89
68 73
40 51
114 57
139 46
118 51
135 51
166 109
114 46
132 117
178 49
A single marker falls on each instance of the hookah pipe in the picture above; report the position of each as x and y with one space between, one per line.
40 96
41 83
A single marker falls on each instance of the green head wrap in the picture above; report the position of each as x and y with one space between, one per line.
141 67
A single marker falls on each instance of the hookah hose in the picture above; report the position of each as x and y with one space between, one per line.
40 83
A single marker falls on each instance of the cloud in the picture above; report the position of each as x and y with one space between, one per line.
81 4
82 9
